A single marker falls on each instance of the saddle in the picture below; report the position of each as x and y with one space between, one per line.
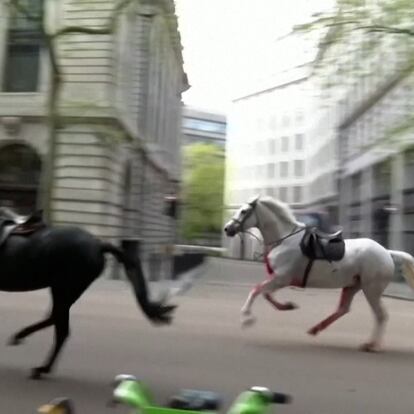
318 245
21 225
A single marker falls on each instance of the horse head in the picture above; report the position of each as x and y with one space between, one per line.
273 218
243 219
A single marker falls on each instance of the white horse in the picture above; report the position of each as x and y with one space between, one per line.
366 265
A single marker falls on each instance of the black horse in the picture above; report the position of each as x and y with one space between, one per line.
67 260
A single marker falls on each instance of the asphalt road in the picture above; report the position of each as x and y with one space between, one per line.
205 348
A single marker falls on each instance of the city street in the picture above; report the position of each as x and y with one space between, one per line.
206 348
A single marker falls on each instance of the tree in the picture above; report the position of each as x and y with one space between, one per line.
362 27
50 37
203 190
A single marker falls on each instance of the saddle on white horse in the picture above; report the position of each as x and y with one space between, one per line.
317 245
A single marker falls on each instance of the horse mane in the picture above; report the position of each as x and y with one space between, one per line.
280 209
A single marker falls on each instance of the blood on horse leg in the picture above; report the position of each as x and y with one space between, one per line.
347 295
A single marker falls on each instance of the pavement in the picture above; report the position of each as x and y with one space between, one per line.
206 348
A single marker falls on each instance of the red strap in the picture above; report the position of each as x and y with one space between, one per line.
268 267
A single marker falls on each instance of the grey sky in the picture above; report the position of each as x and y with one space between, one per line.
225 42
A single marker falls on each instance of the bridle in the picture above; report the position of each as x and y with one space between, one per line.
248 213
270 246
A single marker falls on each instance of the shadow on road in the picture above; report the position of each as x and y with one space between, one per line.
331 350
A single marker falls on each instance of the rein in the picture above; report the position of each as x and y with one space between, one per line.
274 244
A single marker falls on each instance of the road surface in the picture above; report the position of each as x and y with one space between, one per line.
205 348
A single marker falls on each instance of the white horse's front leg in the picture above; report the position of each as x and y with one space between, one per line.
247 319
265 288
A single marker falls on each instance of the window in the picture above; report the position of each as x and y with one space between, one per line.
299 117
299 142
272 192
22 68
285 144
283 193
22 57
204 125
284 169
271 170
272 146
273 123
298 168
297 194
285 121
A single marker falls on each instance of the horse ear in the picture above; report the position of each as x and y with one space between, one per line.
254 200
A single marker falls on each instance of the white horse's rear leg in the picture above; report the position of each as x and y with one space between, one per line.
373 294
347 296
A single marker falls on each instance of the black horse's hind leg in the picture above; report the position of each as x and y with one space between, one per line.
63 297
18 337
61 320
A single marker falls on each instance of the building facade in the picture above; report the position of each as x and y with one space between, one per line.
119 133
267 144
369 125
202 126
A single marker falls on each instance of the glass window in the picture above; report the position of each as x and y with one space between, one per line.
285 144
283 194
285 121
22 68
299 140
204 125
284 169
299 117
271 170
272 146
273 123
22 57
298 168
297 194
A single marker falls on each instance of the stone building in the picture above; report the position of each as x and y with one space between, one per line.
119 134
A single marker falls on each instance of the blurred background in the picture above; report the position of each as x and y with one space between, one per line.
153 121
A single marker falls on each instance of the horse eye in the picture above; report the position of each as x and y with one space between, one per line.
244 211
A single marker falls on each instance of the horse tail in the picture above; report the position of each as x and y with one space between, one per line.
156 312
406 261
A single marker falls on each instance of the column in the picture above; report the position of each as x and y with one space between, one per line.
396 217
367 194
344 201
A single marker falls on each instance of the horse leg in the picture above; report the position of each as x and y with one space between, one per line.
63 298
265 288
373 296
278 305
18 337
347 296
61 322
247 318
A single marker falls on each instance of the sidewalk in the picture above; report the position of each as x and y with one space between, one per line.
399 291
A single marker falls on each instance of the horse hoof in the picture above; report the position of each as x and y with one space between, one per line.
291 306
247 321
314 331
14 341
37 373
370 347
